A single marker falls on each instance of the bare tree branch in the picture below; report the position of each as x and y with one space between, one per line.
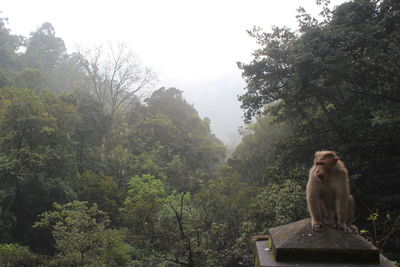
116 75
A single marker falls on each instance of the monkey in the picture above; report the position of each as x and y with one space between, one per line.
328 193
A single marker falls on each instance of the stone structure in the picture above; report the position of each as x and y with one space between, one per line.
296 244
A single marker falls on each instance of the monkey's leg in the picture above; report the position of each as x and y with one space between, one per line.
314 207
350 214
342 212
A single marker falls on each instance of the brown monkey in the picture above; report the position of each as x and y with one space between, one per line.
328 193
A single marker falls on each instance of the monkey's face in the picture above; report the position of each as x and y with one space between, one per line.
324 166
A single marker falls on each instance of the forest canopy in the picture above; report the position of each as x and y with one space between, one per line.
94 174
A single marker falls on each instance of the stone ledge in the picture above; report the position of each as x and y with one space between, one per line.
296 242
264 258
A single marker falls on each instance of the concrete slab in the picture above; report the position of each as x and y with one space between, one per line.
264 258
296 242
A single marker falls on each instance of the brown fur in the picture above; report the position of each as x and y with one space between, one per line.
328 193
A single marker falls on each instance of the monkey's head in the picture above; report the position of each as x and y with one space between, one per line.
324 162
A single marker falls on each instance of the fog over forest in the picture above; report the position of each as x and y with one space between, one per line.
193 46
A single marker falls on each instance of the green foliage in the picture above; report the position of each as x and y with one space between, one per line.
28 78
36 159
141 162
154 167
335 83
14 255
82 236
279 204
382 230
256 152
274 205
9 44
167 133
44 49
99 189
115 251
90 134
3 79
174 226
247 230
143 202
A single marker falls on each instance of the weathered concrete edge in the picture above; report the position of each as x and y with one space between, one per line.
325 255
264 258
321 255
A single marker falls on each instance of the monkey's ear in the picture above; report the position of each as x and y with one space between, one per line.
335 160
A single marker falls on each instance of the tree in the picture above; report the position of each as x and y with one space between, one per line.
100 190
116 76
178 245
256 153
28 78
67 75
274 205
36 157
9 45
140 211
188 135
222 205
44 49
82 236
90 134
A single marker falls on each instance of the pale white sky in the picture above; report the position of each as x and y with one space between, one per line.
191 45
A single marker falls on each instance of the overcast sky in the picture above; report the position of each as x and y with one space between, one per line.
191 45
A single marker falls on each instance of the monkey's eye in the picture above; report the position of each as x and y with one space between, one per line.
320 163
